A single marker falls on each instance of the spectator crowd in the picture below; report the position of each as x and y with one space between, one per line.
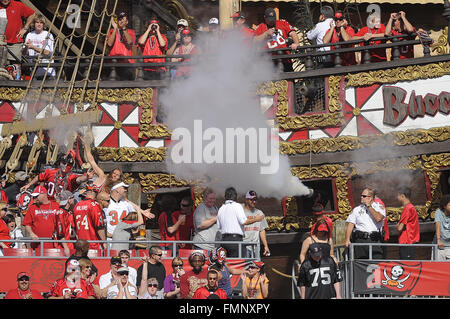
93 208
32 39
78 212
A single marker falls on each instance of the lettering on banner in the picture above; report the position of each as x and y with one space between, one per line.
396 110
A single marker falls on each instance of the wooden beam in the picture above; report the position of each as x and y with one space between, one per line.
69 121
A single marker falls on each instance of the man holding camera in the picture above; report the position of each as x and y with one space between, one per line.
340 31
397 25
153 42
275 33
121 40
364 225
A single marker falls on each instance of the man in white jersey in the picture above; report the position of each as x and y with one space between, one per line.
118 207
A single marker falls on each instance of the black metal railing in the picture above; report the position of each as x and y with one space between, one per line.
308 55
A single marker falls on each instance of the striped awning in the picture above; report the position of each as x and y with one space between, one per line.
363 1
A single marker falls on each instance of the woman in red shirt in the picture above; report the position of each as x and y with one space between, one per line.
153 42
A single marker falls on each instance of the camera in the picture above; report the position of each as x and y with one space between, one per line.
154 27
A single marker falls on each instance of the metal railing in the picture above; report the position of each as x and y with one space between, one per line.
172 246
309 55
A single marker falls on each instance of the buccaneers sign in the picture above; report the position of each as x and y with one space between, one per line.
397 109
402 278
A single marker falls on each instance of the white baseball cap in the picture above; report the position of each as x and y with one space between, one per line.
213 21
183 22
119 185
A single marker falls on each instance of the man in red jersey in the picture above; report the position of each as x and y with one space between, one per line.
59 178
15 12
408 225
275 33
72 286
23 290
211 288
64 220
239 24
195 278
120 42
153 42
375 29
40 220
88 218
340 31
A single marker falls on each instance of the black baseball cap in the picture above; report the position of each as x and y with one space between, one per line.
116 260
315 250
270 14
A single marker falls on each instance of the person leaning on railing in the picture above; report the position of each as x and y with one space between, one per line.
153 42
15 31
40 42
397 25
120 41
340 31
374 30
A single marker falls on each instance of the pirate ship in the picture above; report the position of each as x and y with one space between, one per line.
344 127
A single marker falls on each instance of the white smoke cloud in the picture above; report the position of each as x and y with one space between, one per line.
221 94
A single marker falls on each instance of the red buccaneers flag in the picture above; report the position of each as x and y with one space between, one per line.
425 278
394 277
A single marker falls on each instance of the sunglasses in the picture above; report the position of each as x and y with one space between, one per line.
123 273
181 265
153 285
364 196
24 279
160 255
88 267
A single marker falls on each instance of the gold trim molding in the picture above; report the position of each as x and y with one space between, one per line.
131 154
142 97
333 117
342 175
350 143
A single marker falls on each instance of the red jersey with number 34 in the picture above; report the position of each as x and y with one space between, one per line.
83 289
88 218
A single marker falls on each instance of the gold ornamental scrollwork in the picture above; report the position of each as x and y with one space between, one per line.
408 73
349 143
340 172
152 181
333 117
131 154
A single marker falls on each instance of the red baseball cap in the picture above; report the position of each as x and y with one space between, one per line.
322 227
39 190
23 274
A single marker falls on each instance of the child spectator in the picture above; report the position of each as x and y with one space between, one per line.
40 42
